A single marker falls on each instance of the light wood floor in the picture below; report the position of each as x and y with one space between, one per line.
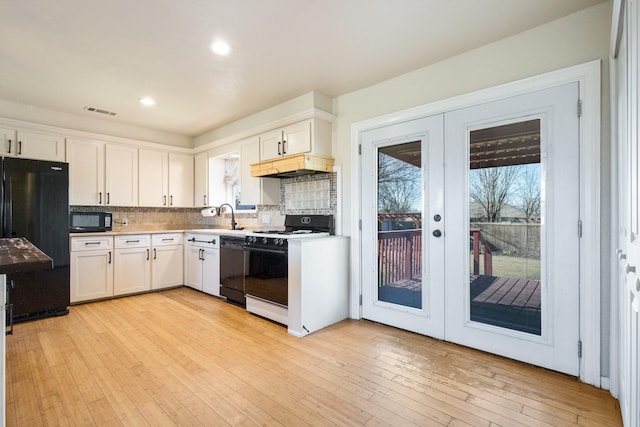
180 357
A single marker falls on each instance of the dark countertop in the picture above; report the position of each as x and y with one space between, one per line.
19 255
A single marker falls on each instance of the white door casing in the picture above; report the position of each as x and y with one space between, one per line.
626 283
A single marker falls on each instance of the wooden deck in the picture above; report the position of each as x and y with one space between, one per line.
499 301
403 292
506 302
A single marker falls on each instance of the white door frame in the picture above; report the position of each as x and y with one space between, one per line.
588 77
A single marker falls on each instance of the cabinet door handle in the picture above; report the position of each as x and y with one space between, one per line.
164 200
9 147
205 199
133 241
109 257
171 200
91 243
19 148
284 149
279 153
147 254
108 197
168 239
154 253
100 198
202 254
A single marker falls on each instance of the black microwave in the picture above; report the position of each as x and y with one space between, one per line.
86 222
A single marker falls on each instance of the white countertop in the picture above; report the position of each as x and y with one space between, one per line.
163 230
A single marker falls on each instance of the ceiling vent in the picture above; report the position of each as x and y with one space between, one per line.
100 110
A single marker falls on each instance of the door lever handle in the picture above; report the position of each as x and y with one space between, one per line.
630 269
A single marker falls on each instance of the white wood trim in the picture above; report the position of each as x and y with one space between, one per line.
355 307
91 136
612 383
588 76
617 23
590 318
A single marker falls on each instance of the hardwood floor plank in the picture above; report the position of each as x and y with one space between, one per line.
180 357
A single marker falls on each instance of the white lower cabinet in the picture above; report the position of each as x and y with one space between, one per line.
202 263
105 266
91 268
167 261
132 265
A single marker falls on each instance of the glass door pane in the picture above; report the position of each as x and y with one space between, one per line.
505 201
400 201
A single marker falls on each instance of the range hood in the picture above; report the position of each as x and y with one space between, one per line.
291 166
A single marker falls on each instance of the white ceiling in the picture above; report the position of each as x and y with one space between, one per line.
64 55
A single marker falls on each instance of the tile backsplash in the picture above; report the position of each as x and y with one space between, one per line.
309 194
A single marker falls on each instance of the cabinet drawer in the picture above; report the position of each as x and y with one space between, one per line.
132 241
79 244
167 239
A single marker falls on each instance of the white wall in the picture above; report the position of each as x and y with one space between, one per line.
575 39
91 124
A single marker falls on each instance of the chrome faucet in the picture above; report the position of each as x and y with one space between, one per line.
233 217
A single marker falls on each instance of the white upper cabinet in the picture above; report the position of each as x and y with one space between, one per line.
201 180
292 139
311 136
181 170
153 178
32 145
121 177
40 146
256 191
86 172
165 179
102 174
7 141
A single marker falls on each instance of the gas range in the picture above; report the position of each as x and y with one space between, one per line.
296 227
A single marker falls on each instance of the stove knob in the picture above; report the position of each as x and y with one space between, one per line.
281 242
265 240
278 242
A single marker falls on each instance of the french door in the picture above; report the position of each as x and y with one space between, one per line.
470 225
403 197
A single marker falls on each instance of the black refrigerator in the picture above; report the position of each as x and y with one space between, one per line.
35 205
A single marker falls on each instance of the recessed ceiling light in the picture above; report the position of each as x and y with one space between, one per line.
219 47
147 101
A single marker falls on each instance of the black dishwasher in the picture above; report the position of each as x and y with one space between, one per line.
232 268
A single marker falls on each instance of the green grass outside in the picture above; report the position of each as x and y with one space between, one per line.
509 266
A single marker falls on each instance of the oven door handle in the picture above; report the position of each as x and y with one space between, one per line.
270 251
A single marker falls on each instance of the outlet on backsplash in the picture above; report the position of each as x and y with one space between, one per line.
124 221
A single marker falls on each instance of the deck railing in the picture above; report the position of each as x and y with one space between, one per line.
478 244
399 255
